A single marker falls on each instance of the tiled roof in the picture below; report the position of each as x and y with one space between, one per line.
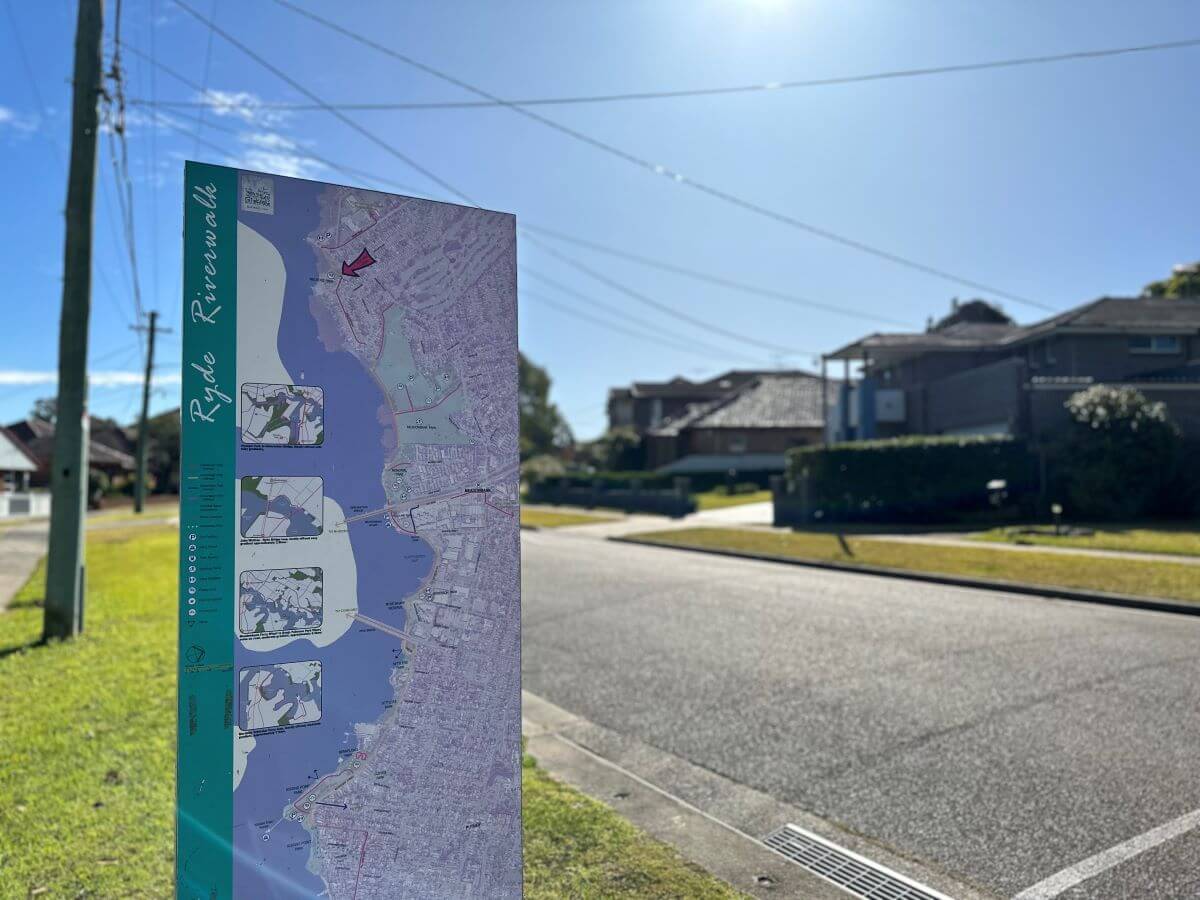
776 400
38 438
1145 314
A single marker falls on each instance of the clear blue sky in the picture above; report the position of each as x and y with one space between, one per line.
1058 183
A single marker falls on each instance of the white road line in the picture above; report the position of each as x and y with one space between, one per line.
1107 859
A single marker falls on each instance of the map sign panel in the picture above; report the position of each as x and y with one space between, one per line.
292 414
277 600
349 702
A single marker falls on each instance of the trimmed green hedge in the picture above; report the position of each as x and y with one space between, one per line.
911 478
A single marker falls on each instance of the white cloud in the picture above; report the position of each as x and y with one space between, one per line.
242 105
17 122
100 379
272 152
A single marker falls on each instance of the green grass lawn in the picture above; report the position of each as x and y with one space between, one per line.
720 499
1174 581
544 518
1180 540
87 756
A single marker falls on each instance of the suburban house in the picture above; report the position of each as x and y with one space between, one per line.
17 464
748 430
976 371
649 404
109 447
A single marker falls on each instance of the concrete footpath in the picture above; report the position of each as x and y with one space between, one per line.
21 547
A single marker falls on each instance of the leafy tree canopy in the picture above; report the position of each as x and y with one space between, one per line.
543 428
1184 282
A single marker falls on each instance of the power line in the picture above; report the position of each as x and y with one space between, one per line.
658 169
695 345
207 63
659 305
153 177
662 307
294 149
332 110
710 278
120 161
739 88
613 326
370 176
681 341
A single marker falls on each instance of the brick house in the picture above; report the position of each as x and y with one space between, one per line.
747 430
978 372
650 404
109 449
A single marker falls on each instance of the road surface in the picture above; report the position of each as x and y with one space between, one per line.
1008 741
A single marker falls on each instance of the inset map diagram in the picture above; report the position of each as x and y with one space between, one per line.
282 414
278 695
277 601
279 506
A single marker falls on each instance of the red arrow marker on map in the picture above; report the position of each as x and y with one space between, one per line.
364 259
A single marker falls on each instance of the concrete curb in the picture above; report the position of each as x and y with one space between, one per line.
710 819
1127 601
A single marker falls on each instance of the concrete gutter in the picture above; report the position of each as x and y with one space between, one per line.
709 819
1128 601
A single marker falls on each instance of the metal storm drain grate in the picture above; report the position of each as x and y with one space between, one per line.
849 871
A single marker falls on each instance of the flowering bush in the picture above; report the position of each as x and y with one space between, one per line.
1121 453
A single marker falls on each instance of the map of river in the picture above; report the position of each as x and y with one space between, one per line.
377 751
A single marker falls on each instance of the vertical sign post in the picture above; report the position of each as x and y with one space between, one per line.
349 687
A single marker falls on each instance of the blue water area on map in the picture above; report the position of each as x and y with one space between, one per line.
300 521
390 565
276 688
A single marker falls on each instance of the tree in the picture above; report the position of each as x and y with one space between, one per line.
1184 282
617 450
45 409
543 428
1121 452
162 455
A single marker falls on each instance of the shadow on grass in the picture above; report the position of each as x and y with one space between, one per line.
21 648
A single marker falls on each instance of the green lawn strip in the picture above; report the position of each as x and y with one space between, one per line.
577 847
1173 581
719 499
540 518
87 755
87 730
1180 541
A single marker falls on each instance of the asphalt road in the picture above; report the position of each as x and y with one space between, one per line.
998 738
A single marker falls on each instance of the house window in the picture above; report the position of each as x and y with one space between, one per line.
1154 343
737 443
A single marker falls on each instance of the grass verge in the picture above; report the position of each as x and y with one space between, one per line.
542 518
87 756
1172 581
720 499
1180 541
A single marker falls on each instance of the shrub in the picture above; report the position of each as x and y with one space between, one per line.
1120 455
918 478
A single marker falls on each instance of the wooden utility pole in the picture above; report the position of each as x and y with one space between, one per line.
69 477
139 487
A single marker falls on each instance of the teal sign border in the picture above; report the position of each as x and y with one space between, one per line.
207 517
